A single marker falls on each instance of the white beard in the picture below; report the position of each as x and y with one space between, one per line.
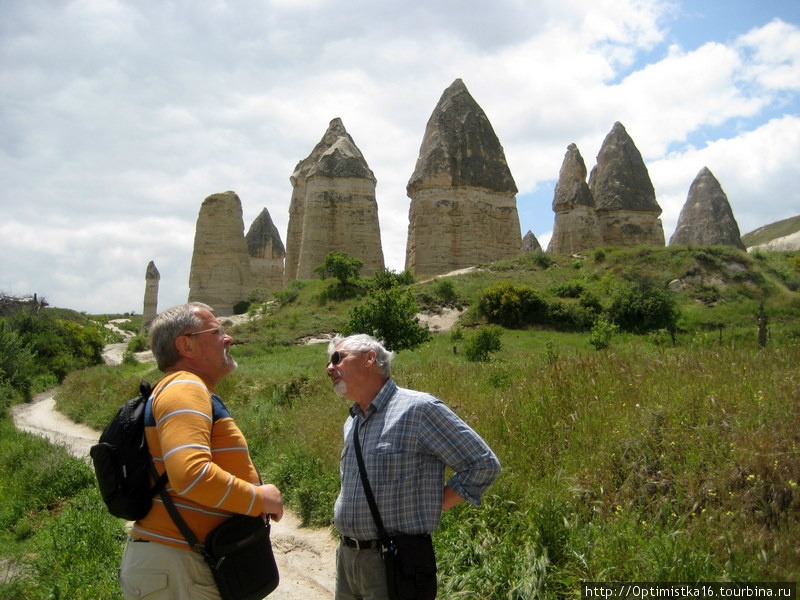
340 387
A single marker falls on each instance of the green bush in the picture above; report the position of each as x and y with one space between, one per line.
569 289
483 343
17 368
389 315
60 346
642 306
565 316
601 334
512 305
137 343
445 290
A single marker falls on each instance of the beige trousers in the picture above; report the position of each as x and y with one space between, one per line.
157 572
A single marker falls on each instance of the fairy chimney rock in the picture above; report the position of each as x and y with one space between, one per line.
576 226
266 252
623 194
463 198
340 211
220 273
530 243
151 280
706 219
298 201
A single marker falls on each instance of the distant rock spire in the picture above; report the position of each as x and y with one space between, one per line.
463 198
623 194
297 205
530 243
334 208
220 272
266 252
460 148
576 227
150 309
706 219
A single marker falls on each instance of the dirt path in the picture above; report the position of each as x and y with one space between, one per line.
305 556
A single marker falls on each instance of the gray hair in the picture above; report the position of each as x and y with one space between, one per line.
169 326
361 342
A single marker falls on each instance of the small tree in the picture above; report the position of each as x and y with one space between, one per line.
342 266
483 343
644 306
389 315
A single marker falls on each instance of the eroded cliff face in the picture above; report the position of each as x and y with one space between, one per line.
576 227
624 197
706 219
220 273
463 198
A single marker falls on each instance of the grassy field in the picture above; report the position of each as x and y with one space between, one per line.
647 461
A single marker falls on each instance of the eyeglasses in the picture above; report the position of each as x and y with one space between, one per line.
337 357
219 330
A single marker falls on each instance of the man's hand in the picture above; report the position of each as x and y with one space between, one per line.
271 501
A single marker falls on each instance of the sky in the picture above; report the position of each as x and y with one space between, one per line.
118 118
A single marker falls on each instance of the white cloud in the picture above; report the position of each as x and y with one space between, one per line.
120 118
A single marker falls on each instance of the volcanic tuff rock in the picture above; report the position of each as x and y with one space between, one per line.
151 280
266 252
623 194
463 205
220 272
341 212
706 219
530 243
297 205
576 226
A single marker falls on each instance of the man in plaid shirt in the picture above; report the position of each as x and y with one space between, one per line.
407 439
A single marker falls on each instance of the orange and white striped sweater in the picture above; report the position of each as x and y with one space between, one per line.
211 476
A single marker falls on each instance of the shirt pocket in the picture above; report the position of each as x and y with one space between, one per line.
394 463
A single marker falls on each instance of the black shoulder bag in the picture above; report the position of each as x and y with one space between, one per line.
409 559
238 551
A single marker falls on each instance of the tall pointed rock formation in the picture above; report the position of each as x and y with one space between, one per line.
706 219
297 205
576 228
220 273
623 194
530 243
266 252
341 212
463 198
150 309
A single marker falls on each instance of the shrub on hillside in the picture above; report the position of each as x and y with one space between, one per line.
16 364
642 306
512 305
389 315
60 346
483 343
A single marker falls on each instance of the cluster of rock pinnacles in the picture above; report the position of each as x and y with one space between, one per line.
463 210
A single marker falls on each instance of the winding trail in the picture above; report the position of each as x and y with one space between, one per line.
305 556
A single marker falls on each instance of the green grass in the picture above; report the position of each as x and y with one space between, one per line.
646 461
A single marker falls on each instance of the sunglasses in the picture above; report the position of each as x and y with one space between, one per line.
337 357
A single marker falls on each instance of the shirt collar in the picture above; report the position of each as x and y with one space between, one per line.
378 402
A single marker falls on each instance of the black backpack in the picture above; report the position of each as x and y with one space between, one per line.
122 462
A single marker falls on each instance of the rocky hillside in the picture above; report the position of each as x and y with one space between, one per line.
782 235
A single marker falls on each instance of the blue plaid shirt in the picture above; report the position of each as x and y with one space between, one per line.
407 438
